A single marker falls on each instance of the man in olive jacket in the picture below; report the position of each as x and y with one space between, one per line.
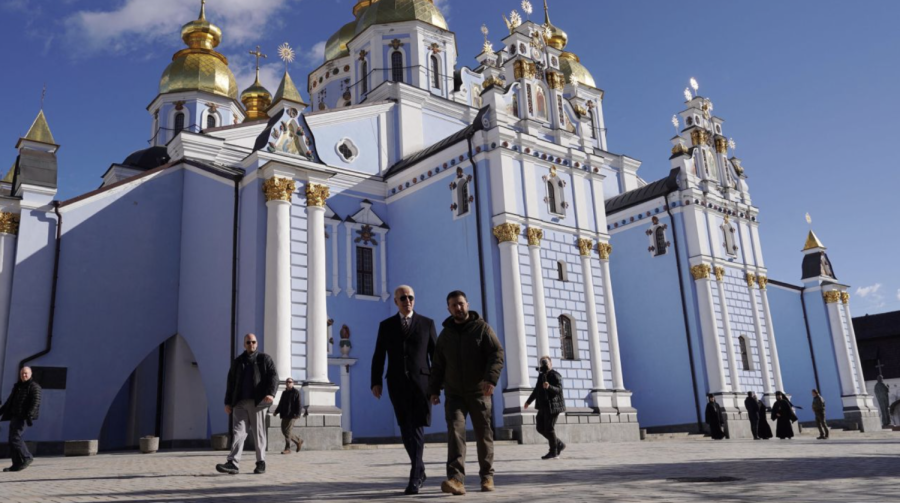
467 362
21 409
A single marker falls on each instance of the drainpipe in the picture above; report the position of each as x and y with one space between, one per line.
52 314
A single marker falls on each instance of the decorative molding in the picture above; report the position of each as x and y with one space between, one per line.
9 223
720 273
751 279
507 232
556 81
524 69
832 296
845 297
700 272
762 281
585 246
535 235
605 250
316 194
279 189
721 145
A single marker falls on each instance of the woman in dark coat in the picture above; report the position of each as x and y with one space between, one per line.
783 415
714 418
550 404
765 431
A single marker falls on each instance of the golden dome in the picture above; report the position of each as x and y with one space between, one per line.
256 100
336 47
396 11
199 67
571 67
558 38
360 6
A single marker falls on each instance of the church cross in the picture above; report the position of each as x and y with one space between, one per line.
258 55
879 366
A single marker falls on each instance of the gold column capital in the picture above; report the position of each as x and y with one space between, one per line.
751 280
9 223
279 189
720 273
507 232
316 194
585 246
832 296
845 297
700 271
605 250
762 281
535 235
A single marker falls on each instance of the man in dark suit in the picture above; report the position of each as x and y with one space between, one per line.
407 339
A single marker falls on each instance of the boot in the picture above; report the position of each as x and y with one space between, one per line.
299 443
260 468
454 487
229 468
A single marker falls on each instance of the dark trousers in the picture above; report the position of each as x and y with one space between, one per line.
409 405
18 451
414 442
754 426
287 429
546 426
820 423
456 409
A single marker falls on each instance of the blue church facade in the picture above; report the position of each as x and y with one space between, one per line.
260 213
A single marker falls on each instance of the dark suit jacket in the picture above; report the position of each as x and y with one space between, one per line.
409 366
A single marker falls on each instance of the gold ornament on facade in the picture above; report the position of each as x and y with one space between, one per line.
679 149
845 297
720 273
556 81
524 69
832 297
9 223
552 171
316 194
492 81
751 279
605 250
721 145
580 110
700 272
279 189
699 137
762 281
535 235
507 232
585 246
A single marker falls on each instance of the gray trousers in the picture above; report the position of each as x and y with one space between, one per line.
247 414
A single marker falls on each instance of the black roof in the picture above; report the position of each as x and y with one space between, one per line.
444 144
817 264
646 193
147 158
874 326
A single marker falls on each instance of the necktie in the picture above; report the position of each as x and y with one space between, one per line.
405 322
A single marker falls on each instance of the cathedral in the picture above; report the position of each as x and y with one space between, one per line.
254 211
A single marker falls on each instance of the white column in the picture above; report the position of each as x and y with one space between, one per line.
845 298
317 312
760 345
344 364
9 229
277 324
517 381
585 247
726 324
832 299
615 357
335 283
770 331
535 235
714 368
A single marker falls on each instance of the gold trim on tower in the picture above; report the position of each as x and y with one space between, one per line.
9 223
605 250
585 246
535 235
316 194
845 297
278 188
700 271
721 145
556 81
832 296
762 281
524 69
751 280
507 232
720 273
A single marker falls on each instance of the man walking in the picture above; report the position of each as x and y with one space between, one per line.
252 382
21 410
407 340
550 404
818 407
468 359
752 406
289 409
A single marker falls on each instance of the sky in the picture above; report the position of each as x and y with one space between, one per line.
808 90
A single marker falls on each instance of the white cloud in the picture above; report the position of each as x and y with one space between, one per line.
865 291
898 294
443 6
315 56
138 23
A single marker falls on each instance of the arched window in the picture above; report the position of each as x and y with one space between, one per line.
745 353
566 337
210 121
660 236
541 104
397 66
179 122
515 104
551 197
365 271
364 70
462 191
728 232
561 270
435 72
593 124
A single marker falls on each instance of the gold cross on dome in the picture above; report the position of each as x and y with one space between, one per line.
258 55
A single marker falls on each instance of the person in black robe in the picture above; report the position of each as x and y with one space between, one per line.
783 415
714 418
765 431
752 406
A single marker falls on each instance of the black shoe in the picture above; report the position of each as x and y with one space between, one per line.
229 468
13 468
560 446
412 488
26 464
550 455
260 468
422 480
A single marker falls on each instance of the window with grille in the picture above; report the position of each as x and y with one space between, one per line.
435 72
660 240
745 353
364 70
397 66
565 334
179 122
561 271
365 275
463 190
730 247
210 121
551 197
593 126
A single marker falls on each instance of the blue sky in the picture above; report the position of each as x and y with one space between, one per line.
808 89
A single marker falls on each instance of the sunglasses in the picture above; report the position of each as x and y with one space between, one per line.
250 343
404 298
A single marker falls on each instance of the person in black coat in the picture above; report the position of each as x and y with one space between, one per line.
289 410
548 392
407 340
783 415
752 406
714 418
21 410
765 431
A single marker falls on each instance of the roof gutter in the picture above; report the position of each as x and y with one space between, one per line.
52 315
